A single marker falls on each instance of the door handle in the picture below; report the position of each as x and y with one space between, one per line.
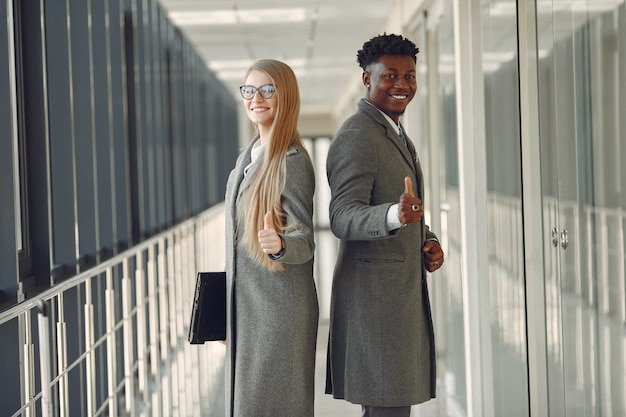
555 237
564 239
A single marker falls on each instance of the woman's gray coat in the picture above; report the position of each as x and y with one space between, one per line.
273 316
381 346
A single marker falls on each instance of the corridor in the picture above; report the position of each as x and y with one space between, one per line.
122 120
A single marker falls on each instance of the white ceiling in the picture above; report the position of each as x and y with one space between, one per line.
319 39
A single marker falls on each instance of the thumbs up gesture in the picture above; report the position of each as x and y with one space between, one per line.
268 238
410 209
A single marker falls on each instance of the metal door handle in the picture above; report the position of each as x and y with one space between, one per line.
555 237
564 239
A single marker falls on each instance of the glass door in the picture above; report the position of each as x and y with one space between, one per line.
431 120
579 91
505 347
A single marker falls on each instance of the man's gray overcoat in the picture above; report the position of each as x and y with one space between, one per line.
272 316
381 346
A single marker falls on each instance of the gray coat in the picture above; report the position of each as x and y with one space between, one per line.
381 345
273 316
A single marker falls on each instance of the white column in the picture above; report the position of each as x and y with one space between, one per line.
532 209
473 200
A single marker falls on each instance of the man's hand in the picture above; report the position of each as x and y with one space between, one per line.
433 255
268 238
410 209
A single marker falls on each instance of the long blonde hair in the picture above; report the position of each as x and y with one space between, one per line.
266 185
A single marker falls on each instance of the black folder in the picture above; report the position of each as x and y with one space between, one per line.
208 316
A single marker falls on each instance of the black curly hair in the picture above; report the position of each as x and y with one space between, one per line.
385 45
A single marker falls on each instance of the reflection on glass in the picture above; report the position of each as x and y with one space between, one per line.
505 246
582 70
431 120
452 367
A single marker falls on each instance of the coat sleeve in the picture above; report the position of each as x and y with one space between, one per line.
352 167
297 202
430 235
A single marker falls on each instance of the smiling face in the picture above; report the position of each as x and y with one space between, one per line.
391 84
260 111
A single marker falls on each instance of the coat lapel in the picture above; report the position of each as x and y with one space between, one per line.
408 152
238 183
416 165
404 149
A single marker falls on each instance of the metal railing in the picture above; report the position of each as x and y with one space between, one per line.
112 341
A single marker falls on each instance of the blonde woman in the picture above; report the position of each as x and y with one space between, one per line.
272 300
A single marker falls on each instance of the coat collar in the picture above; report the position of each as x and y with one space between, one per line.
243 176
245 160
391 133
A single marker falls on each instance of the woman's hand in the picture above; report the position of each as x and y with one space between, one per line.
268 238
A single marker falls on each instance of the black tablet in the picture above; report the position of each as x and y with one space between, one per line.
208 316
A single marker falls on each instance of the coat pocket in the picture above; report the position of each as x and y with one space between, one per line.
387 259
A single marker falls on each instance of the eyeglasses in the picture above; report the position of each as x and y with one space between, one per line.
266 90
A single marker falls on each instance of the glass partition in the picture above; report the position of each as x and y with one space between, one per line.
507 356
452 364
581 77
432 123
